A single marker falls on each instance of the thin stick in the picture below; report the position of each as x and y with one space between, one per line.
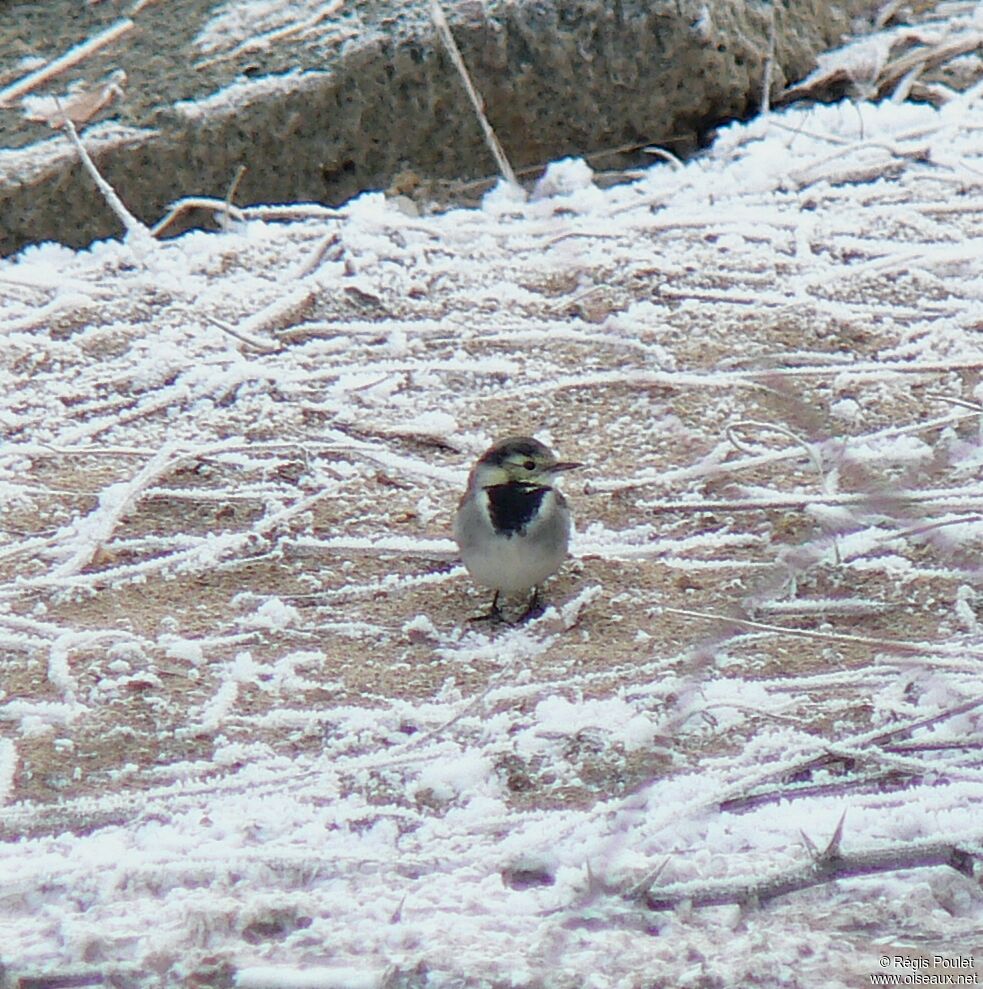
886 12
811 452
268 214
741 447
258 345
114 503
264 41
310 264
281 313
134 228
230 196
196 202
847 752
444 30
70 58
665 155
953 400
821 869
891 645
769 66
936 499
922 59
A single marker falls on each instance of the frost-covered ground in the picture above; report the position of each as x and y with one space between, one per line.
248 734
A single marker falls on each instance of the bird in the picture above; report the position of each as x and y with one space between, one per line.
512 524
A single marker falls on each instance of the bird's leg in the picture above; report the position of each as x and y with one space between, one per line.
494 612
534 610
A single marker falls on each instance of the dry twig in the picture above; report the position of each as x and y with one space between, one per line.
826 867
72 57
137 234
444 30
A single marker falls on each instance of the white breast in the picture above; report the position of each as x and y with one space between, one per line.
518 562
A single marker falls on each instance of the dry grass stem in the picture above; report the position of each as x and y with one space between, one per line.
70 59
491 139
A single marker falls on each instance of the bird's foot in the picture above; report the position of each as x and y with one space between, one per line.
494 613
533 610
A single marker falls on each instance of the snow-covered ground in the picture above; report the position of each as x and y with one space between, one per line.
248 735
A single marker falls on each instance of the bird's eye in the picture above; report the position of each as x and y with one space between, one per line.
530 465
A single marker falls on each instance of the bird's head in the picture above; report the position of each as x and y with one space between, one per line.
519 459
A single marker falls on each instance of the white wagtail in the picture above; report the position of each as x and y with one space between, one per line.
512 525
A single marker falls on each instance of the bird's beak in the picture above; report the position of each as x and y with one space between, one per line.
567 465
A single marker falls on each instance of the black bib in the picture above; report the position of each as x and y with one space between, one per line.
512 506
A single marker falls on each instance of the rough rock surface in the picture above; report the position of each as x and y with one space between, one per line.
323 100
